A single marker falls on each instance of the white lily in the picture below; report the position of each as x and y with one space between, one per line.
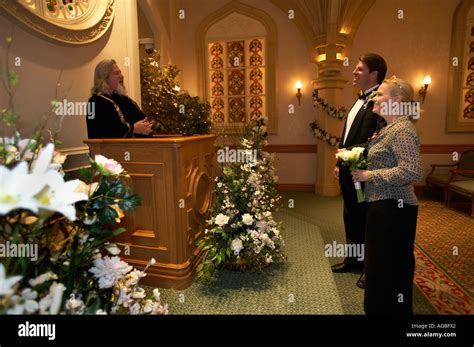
6 284
60 196
18 188
57 195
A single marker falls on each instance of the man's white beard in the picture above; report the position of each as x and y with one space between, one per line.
121 90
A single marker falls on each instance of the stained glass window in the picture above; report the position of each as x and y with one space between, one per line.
236 73
467 103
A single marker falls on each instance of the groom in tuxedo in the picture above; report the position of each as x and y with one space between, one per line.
360 125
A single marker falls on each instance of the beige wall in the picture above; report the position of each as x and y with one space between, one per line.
42 61
413 47
292 63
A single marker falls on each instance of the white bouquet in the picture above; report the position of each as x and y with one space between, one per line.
354 158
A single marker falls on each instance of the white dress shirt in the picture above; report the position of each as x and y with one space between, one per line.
354 110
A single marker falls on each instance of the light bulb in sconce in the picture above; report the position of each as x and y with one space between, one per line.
298 86
424 89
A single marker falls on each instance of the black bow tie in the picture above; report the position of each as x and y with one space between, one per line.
363 96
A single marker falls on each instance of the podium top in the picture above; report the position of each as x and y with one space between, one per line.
162 139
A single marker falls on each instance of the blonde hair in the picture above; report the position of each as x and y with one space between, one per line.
399 87
101 76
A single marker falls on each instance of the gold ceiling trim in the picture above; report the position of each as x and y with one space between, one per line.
76 32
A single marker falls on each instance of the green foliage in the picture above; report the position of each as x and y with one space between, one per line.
171 111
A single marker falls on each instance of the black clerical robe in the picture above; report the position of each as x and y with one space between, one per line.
112 116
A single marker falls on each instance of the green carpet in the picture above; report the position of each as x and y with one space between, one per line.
326 212
304 284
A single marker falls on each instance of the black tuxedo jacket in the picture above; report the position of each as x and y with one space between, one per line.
365 124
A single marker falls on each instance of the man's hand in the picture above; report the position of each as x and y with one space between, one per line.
142 127
336 172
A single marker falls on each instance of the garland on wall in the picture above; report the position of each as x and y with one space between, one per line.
323 135
338 113
322 104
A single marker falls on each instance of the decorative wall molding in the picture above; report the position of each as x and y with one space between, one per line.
313 148
294 187
87 28
445 148
455 77
292 148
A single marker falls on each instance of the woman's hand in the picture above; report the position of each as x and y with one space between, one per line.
142 127
361 175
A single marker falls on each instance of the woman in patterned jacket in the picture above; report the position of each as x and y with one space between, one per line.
394 155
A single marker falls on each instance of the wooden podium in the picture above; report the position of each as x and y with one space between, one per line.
174 177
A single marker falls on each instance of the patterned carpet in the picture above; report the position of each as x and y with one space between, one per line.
445 257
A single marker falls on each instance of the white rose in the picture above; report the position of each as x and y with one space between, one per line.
135 308
261 225
221 220
112 249
156 294
247 219
139 293
149 306
237 246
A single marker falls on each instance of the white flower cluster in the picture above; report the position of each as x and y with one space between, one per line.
117 274
350 155
41 189
111 272
27 301
248 198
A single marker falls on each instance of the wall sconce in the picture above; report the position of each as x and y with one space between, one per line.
424 89
298 86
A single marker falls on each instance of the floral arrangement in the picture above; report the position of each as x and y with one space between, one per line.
354 158
322 135
57 232
69 224
242 233
320 103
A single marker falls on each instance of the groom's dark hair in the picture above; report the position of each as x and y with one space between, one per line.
375 63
